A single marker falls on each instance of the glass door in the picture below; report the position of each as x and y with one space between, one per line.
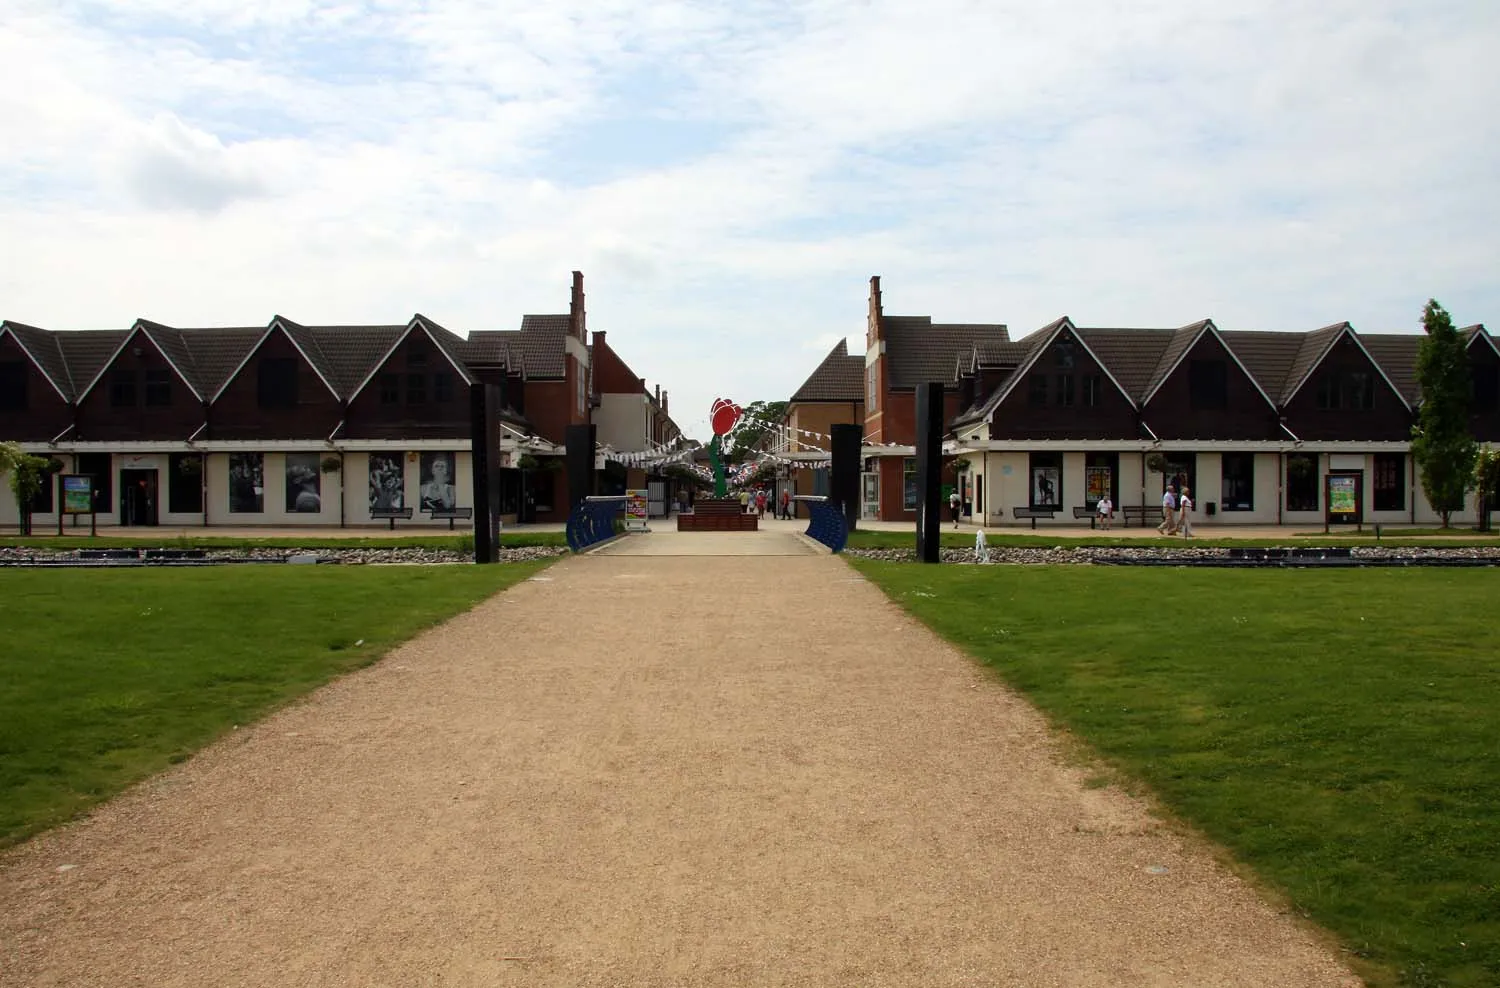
870 488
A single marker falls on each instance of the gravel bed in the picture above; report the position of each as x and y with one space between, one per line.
1088 555
406 556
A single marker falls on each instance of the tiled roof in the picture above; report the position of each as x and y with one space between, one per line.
920 350
1181 340
1268 357
353 351
214 354
451 345
538 345
839 377
1133 356
43 348
1314 346
86 351
1396 353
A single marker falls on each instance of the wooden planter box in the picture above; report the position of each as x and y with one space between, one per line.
717 515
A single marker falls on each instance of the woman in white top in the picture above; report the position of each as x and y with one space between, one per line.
1184 509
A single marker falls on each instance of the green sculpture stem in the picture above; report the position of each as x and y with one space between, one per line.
721 489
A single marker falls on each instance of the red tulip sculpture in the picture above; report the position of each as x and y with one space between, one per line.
723 417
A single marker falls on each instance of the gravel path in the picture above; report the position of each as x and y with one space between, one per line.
644 771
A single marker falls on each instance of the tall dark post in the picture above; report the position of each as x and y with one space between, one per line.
580 443
843 485
484 444
929 470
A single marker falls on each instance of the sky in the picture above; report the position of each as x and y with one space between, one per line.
728 175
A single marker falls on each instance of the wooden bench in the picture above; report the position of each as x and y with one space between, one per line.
391 514
438 514
1140 512
1086 512
1033 514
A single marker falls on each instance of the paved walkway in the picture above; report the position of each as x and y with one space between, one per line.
742 770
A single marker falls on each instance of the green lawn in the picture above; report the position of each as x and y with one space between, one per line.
457 542
865 539
1339 732
108 676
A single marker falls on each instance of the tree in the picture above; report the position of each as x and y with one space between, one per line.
27 474
1441 445
756 429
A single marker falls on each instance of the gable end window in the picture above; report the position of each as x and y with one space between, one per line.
416 389
1208 385
1348 390
1065 389
1091 384
1038 394
13 386
122 388
276 383
158 388
390 389
442 388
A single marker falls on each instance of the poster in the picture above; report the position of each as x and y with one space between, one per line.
1046 487
304 484
1343 495
1097 481
387 481
635 511
77 494
437 491
247 483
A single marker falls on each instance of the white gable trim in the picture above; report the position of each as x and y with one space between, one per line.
4 329
1209 327
1482 332
385 357
426 328
138 328
275 325
1348 331
1036 354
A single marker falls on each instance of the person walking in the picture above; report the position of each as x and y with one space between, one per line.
1168 524
953 504
1184 510
786 503
1106 509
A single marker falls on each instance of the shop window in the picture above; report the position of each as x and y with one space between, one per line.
909 483
1237 482
1046 480
276 383
185 483
41 504
158 388
1302 482
12 386
1390 481
101 468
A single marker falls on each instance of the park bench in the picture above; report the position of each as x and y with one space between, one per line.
1141 513
390 515
1033 514
438 514
1086 512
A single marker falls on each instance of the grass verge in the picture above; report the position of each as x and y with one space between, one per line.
107 677
1337 732
454 543
864 539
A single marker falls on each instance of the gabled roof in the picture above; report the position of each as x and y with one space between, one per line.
1036 344
41 347
1268 356
1396 353
538 346
1316 346
1133 356
444 341
166 343
1478 332
1181 344
839 377
86 352
288 329
919 350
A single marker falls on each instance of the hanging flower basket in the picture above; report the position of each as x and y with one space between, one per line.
332 464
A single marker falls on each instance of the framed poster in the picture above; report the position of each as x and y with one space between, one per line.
438 492
387 481
1046 487
304 484
247 483
1096 484
77 494
1342 493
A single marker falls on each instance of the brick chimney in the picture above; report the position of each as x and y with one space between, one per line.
577 317
663 401
658 395
875 320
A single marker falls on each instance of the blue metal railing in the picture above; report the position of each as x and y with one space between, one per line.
826 522
593 521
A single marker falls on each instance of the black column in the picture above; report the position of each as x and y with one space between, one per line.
484 445
929 470
843 479
580 443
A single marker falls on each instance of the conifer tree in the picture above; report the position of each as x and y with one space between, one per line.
1441 444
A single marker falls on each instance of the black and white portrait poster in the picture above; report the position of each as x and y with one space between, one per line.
387 481
304 494
438 492
247 483
1046 487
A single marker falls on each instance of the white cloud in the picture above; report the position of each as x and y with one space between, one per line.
1276 165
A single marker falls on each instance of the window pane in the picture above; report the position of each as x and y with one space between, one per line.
1390 481
1237 483
276 383
158 388
390 389
1046 480
185 483
13 386
122 388
416 389
442 387
909 483
1038 389
1302 482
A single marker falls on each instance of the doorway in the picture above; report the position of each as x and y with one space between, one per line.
138 501
871 495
